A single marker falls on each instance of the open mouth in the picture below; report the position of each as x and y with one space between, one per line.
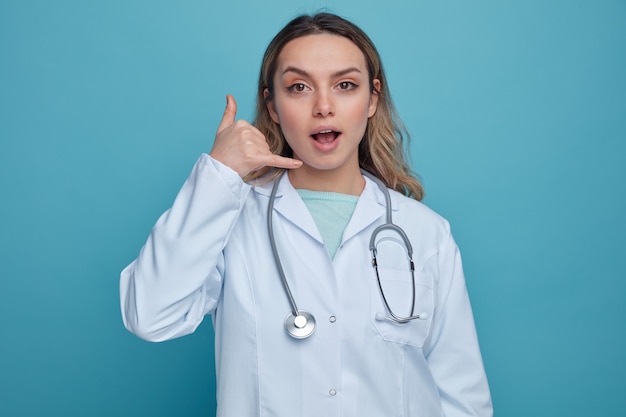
325 136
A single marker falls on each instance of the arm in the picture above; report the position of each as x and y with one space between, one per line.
176 279
453 353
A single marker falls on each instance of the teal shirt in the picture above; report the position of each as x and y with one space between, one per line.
331 212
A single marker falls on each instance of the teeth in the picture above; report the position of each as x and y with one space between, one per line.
325 131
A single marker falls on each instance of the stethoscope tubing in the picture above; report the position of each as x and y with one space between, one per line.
270 229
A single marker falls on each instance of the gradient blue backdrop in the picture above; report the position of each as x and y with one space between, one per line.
518 115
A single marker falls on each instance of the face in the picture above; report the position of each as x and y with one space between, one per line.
322 101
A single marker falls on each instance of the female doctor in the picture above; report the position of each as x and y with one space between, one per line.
274 234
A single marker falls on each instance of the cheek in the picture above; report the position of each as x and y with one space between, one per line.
287 117
362 112
362 104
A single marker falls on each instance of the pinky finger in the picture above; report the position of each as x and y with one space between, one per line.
278 161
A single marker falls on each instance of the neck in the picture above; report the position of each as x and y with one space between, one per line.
342 180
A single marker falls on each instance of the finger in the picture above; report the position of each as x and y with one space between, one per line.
278 161
229 114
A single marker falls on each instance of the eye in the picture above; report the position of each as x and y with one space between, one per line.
296 88
347 85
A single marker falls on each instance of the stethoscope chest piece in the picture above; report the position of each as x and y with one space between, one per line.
300 326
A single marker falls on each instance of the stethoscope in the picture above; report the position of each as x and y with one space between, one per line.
300 324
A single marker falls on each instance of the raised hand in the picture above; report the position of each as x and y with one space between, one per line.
242 147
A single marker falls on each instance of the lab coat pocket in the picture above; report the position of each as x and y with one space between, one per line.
396 282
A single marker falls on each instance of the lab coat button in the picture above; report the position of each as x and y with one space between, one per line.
332 392
332 319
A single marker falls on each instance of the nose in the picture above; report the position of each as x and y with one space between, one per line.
323 106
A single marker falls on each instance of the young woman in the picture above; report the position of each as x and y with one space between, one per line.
274 235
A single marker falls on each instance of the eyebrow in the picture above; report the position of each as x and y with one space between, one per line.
335 74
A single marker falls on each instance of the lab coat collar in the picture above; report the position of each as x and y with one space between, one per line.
290 206
370 207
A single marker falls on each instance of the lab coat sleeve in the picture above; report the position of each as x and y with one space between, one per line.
453 353
177 278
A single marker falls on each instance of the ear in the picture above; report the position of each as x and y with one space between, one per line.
374 98
270 107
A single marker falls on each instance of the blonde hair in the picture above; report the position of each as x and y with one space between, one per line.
381 151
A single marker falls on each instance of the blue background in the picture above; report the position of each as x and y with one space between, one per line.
517 111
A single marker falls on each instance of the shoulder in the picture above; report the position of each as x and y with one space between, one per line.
415 215
408 206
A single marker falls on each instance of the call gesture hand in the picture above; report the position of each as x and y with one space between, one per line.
242 147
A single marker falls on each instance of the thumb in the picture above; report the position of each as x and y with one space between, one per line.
229 114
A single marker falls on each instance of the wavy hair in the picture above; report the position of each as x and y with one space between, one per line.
381 151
